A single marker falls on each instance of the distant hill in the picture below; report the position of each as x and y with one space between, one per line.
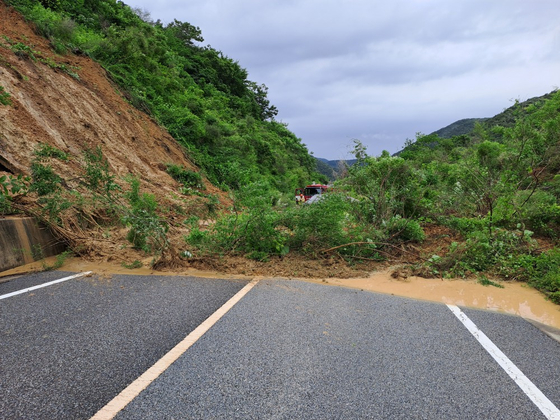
458 128
505 118
331 168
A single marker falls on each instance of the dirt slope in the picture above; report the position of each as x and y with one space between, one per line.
50 106
69 102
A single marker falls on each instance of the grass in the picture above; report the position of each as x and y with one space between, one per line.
485 281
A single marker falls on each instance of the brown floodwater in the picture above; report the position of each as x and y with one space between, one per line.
514 298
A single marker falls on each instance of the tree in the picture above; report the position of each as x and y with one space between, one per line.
264 111
185 32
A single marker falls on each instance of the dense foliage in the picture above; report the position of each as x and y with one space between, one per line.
497 188
203 98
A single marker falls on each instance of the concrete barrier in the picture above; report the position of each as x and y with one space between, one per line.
23 241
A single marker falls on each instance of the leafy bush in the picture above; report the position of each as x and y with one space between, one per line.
405 230
45 151
465 225
44 180
541 271
4 97
10 186
188 178
483 252
253 231
320 225
386 186
538 211
147 231
97 173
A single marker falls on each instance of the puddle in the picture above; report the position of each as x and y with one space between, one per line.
515 298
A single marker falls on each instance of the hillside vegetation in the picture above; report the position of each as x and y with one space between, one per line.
201 96
482 203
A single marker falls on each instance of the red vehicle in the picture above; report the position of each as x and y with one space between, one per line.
304 194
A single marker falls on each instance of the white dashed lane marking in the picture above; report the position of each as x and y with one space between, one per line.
40 286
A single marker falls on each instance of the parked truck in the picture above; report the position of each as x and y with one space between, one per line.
305 194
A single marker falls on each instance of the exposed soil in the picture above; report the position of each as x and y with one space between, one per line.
50 106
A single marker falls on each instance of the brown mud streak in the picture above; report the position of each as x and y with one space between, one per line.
515 298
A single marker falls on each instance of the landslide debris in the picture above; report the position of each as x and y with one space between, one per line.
68 104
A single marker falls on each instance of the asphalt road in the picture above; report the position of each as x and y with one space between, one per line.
67 349
287 350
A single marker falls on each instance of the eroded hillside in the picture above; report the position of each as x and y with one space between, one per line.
69 103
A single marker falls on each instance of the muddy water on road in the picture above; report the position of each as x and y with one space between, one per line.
514 298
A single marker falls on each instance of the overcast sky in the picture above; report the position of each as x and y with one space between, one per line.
380 71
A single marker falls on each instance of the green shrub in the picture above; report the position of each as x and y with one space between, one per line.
9 186
44 180
59 261
253 234
4 97
539 212
45 151
188 178
483 252
405 230
54 205
97 173
253 229
24 51
147 231
541 271
465 225
320 225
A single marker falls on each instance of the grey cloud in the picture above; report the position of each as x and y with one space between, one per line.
379 70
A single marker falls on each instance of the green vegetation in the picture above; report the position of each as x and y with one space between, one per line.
189 179
89 201
58 262
500 197
11 186
493 183
224 121
498 187
134 264
147 231
485 281
4 97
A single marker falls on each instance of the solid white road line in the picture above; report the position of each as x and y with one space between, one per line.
539 399
135 388
50 283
